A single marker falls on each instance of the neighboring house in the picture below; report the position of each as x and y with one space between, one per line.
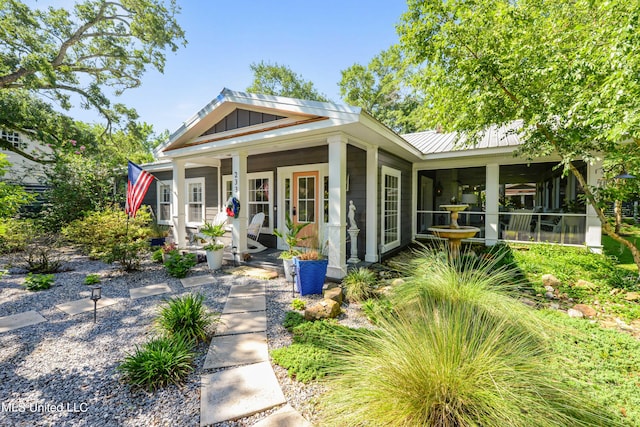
309 159
24 172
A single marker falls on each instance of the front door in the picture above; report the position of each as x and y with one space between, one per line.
305 209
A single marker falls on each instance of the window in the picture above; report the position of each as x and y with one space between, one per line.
227 189
260 196
390 199
14 139
164 202
195 201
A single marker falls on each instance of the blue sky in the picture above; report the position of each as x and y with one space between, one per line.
315 39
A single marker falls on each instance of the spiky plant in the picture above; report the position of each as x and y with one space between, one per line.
359 284
452 364
185 315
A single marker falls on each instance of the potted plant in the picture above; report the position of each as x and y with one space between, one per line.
311 270
214 249
159 233
291 239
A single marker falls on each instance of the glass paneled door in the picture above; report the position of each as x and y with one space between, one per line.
305 209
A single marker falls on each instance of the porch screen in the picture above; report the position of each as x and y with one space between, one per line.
390 208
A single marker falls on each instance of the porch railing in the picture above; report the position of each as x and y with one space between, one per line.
522 226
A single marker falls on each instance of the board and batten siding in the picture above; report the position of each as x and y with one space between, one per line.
406 212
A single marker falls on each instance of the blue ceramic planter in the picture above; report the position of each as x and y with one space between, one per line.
310 275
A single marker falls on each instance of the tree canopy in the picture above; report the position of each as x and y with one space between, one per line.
274 79
61 54
381 89
568 71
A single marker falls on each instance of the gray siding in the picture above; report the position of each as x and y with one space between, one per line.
357 172
406 210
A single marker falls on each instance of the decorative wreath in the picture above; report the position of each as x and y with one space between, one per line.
233 207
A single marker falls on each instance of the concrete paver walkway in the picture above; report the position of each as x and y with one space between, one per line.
15 321
249 385
149 290
84 305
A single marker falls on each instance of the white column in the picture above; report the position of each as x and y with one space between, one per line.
593 236
371 246
337 236
492 218
178 203
241 192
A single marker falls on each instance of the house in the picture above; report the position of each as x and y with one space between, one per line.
310 159
24 172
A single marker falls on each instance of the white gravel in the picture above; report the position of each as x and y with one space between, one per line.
63 372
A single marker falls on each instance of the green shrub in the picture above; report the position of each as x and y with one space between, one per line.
359 284
178 265
186 316
41 254
92 279
375 309
38 282
304 362
298 304
109 236
452 363
156 256
15 234
159 362
292 319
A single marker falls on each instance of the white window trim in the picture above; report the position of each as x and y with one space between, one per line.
225 179
159 185
387 171
263 175
186 201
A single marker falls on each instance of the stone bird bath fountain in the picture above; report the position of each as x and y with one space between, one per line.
453 232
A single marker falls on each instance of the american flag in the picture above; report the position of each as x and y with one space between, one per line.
137 186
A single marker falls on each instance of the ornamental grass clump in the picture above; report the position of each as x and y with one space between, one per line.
159 362
359 284
186 316
448 363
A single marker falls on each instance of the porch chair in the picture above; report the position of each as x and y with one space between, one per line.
253 232
519 227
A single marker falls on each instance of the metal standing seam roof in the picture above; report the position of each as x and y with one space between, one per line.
432 142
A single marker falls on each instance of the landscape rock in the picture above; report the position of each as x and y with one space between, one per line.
325 309
550 280
397 282
528 302
333 294
549 288
632 296
586 310
575 313
549 295
584 284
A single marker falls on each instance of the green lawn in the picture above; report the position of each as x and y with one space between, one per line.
621 252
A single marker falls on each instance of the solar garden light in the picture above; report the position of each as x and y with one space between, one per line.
234 250
96 294
293 282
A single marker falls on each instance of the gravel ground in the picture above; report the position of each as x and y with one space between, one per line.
63 372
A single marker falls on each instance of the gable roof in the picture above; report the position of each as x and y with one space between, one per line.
277 113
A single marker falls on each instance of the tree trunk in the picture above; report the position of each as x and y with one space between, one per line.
617 213
606 227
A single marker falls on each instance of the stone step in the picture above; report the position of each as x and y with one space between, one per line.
190 282
84 305
20 320
235 350
242 323
247 290
243 304
284 417
238 392
150 290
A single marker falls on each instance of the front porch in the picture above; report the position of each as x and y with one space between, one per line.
510 202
